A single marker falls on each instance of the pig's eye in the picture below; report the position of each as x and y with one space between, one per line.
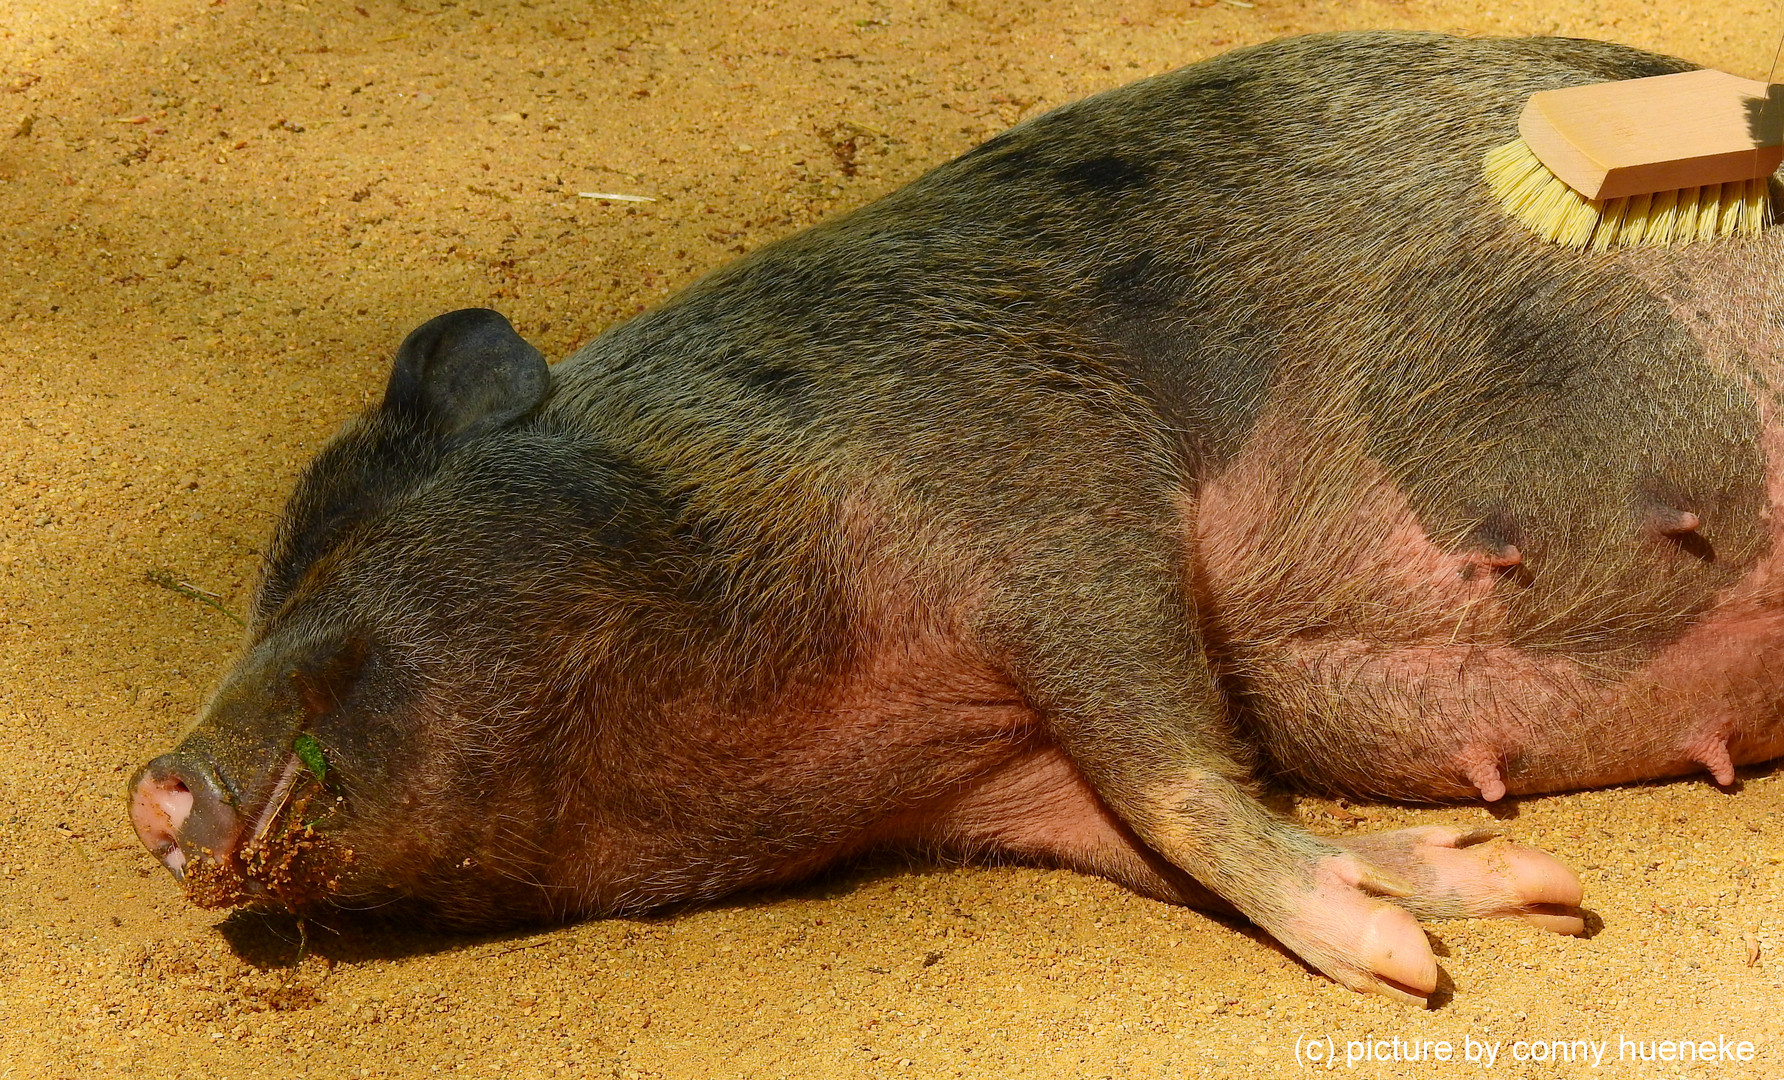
327 681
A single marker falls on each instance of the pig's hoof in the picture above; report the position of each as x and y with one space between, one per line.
1359 921
1453 873
1358 940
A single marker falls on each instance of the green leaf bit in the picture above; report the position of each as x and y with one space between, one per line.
309 751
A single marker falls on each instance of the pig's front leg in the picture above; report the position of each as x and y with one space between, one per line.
1103 646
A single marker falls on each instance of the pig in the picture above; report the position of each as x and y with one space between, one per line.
1213 436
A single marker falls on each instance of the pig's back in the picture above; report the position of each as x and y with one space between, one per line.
1430 458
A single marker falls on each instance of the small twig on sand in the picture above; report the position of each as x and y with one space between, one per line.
514 948
166 580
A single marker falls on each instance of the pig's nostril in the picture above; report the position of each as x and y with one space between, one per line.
182 811
176 802
158 807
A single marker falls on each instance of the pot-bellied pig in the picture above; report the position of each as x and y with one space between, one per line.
1216 432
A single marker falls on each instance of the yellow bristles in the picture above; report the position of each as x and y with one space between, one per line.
1533 195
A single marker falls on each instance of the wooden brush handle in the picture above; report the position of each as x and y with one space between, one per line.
1668 132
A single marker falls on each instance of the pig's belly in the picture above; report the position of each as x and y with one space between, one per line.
1394 666
1455 721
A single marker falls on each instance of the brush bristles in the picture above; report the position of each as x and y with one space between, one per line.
1535 196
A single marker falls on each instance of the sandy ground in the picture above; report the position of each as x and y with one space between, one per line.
220 217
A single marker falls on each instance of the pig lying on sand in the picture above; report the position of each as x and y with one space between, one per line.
1213 431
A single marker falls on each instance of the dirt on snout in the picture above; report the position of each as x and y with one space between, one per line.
291 866
222 215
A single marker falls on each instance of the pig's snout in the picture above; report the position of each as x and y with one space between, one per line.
183 811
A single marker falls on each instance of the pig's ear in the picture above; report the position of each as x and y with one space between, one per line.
466 372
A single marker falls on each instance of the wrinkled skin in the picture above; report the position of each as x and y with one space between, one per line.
1213 431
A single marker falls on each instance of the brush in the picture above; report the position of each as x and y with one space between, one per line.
1660 160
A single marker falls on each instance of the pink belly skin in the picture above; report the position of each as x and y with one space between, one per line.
1383 666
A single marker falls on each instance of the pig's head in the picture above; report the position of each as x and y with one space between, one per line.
369 749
